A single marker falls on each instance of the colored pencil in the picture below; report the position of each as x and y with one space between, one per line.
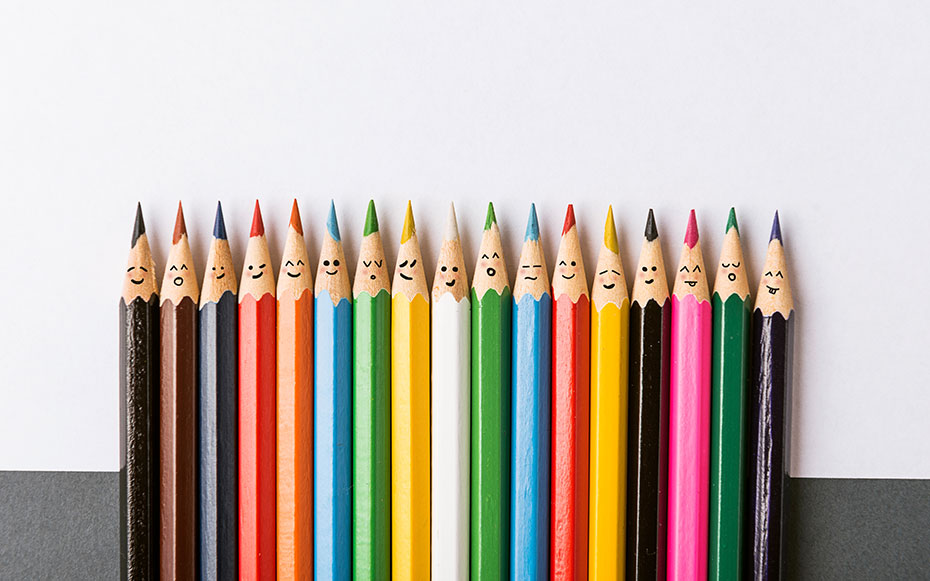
410 409
332 410
217 519
177 437
772 358
451 341
647 450
138 418
532 337
371 422
257 408
610 336
294 417
689 414
571 359
491 321
728 408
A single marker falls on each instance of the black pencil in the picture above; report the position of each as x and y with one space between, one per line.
647 452
217 514
139 383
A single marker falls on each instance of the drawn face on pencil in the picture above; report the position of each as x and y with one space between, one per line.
371 268
608 278
331 266
406 268
731 269
295 268
256 271
531 271
772 280
492 265
450 275
137 274
179 274
567 270
690 274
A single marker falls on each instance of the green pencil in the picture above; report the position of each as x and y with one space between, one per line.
490 409
371 458
729 400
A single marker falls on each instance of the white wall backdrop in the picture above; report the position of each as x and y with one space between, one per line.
817 109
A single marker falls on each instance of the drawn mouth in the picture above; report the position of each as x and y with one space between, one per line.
330 273
732 276
609 286
531 277
771 290
690 282
450 283
178 281
650 281
219 276
568 277
292 275
134 281
405 277
373 277
491 272
257 276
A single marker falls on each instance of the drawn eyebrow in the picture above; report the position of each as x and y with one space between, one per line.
402 264
769 273
367 263
697 268
615 272
684 269
562 263
484 256
299 262
413 263
604 272
261 266
779 274
143 269
495 255
378 263
173 267
184 267
288 263
130 269
537 266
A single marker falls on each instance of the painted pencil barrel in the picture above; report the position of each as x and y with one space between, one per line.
529 491
689 438
139 326
729 396
609 384
332 438
772 351
490 434
647 451
372 442
217 515
451 322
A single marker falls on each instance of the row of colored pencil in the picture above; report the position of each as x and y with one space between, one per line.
292 430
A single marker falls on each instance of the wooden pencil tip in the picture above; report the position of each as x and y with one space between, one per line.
410 228
219 224
138 229
295 222
258 227
180 228
491 218
332 225
452 224
776 229
371 219
731 222
569 219
651 231
532 226
610 232
691 234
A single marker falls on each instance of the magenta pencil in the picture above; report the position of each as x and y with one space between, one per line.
689 414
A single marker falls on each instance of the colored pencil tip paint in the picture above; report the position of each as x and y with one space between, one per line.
691 234
371 219
776 229
569 219
219 224
731 222
295 222
258 227
410 228
610 232
651 231
138 228
491 218
180 228
332 225
452 225
532 225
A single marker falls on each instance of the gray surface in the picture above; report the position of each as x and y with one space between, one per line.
63 525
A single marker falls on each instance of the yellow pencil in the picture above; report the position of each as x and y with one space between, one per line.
610 324
410 411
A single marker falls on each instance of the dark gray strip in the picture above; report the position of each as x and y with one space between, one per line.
64 525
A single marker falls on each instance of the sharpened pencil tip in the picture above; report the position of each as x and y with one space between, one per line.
180 228
371 219
569 219
332 225
452 225
691 234
219 224
776 229
138 229
610 232
532 225
295 222
651 231
258 227
731 222
410 228
491 218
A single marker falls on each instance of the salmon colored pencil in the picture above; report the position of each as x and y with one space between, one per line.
294 502
689 414
571 336
257 409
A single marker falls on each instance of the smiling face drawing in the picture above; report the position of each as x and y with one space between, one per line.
139 280
220 275
650 281
491 264
180 280
731 272
774 292
609 283
691 277
371 271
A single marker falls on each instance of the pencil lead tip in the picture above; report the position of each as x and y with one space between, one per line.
731 222
610 232
691 234
491 218
219 224
371 219
258 227
776 229
532 226
180 228
295 222
138 228
569 219
452 225
651 231
410 229
332 225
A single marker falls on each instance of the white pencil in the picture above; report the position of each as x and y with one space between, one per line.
451 378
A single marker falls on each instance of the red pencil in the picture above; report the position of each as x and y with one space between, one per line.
257 409
571 337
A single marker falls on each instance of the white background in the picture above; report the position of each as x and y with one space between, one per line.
820 109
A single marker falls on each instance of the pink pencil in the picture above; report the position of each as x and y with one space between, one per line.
689 414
